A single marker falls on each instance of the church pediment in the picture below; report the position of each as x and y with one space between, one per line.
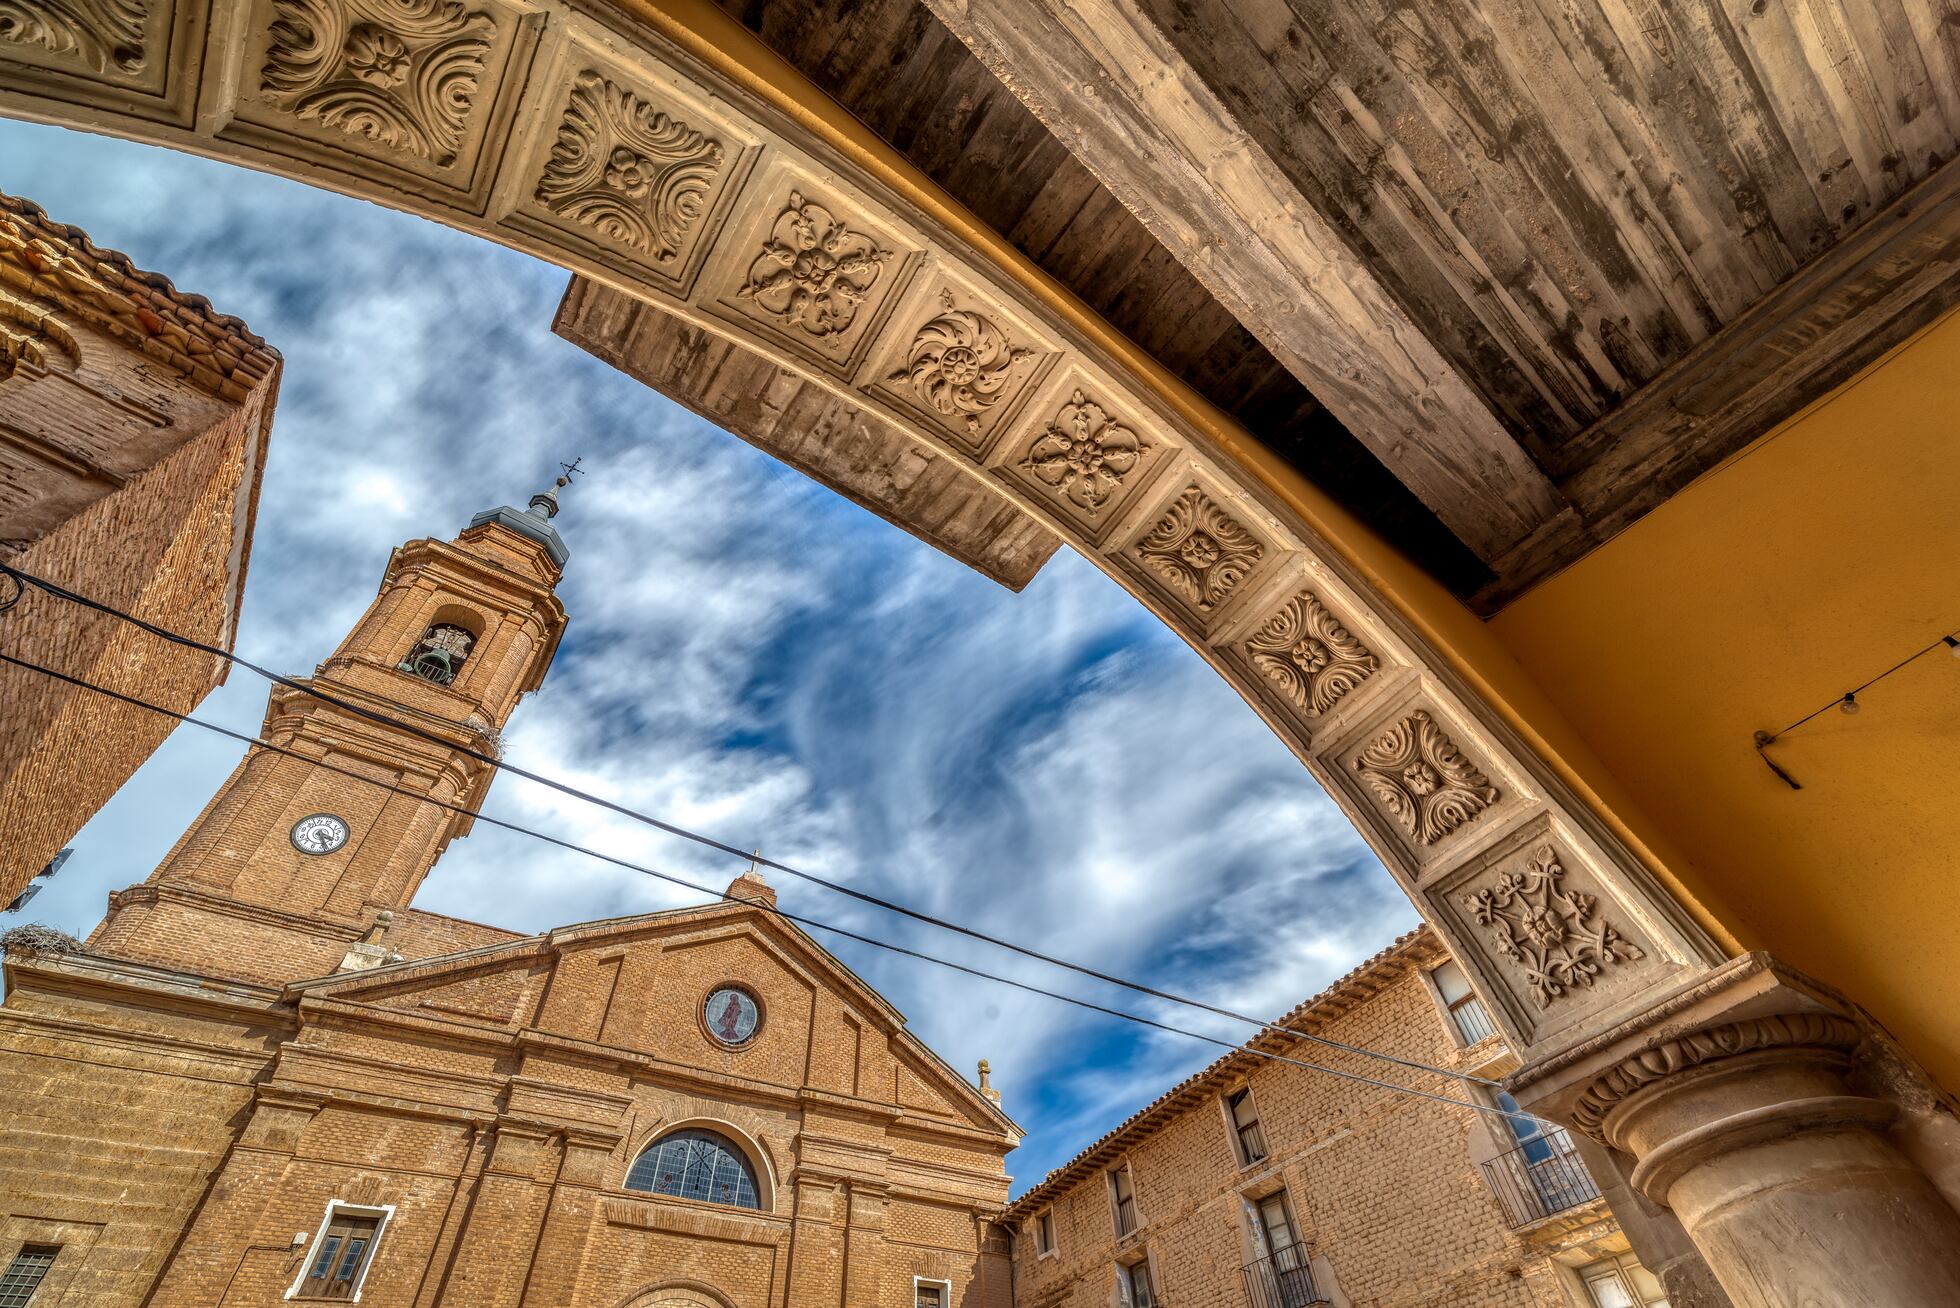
726 988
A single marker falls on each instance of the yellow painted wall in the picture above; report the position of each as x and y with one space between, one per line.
1811 562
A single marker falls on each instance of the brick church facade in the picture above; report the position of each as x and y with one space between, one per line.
268 1078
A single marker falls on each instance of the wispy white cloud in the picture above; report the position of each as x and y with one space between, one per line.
749 655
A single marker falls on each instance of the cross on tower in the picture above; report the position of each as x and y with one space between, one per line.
572 469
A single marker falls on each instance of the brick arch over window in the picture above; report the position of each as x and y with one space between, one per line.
702 1163
1478 824
678 1292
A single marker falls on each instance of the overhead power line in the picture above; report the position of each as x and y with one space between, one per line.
1139 1019
972 933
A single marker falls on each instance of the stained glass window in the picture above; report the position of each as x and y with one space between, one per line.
696 1164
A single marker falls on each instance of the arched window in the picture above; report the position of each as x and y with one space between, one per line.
696 1164
439 655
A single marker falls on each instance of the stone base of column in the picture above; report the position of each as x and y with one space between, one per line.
1744 1105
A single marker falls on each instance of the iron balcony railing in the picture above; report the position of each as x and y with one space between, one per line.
1540 1178
1282 1280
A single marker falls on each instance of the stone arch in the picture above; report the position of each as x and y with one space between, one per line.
635 152
761 1161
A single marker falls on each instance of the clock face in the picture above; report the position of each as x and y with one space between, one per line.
322 833
732 1015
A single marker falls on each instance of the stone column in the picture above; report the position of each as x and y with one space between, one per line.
1735 1101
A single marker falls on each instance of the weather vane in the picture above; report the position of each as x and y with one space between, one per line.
573 469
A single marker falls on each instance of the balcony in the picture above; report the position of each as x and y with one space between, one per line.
1540 1178
1282 1280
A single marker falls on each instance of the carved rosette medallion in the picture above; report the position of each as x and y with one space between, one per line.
1084 453
960 363
814 270
1423 779
628 171
1556 936
1308 656
401 73
1199 551
104 34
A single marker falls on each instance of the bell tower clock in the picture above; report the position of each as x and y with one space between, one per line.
290 863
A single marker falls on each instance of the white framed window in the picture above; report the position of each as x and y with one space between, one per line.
1123 1198
1247 1135
1139 1290
1468 1015
337 1262
931 1294
1621 1282
1044 1233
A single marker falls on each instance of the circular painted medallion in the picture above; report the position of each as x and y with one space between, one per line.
732 1015
322 833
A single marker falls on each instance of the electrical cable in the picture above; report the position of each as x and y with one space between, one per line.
61 592
801 921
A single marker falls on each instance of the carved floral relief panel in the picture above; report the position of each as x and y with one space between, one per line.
1196 552
1304 656
1421 779
960 366
802 264
632 171
124 44
1076 449
406 85
103 36
1548 928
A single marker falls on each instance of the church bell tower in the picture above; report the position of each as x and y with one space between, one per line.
294 869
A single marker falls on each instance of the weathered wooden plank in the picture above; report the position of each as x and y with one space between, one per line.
1168 147
1840 313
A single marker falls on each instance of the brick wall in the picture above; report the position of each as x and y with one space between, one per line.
1384 1188
136 419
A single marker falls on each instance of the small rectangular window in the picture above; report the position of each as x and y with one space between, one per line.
1245 1125
1044 1233
1467 1012
25 1274
1125 1196
931 1296
1136 1281
340 1257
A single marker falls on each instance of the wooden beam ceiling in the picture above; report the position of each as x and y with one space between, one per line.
1545 261
913 83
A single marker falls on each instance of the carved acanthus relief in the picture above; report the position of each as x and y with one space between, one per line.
628 171
814 270
1084 453
1197 550
104 34
1558 937
1423 779
1308 656
401 73
960 363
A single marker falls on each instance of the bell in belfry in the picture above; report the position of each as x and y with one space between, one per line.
439 655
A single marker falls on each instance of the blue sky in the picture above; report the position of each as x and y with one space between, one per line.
749 655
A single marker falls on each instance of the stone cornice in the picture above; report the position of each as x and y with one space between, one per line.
109 976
